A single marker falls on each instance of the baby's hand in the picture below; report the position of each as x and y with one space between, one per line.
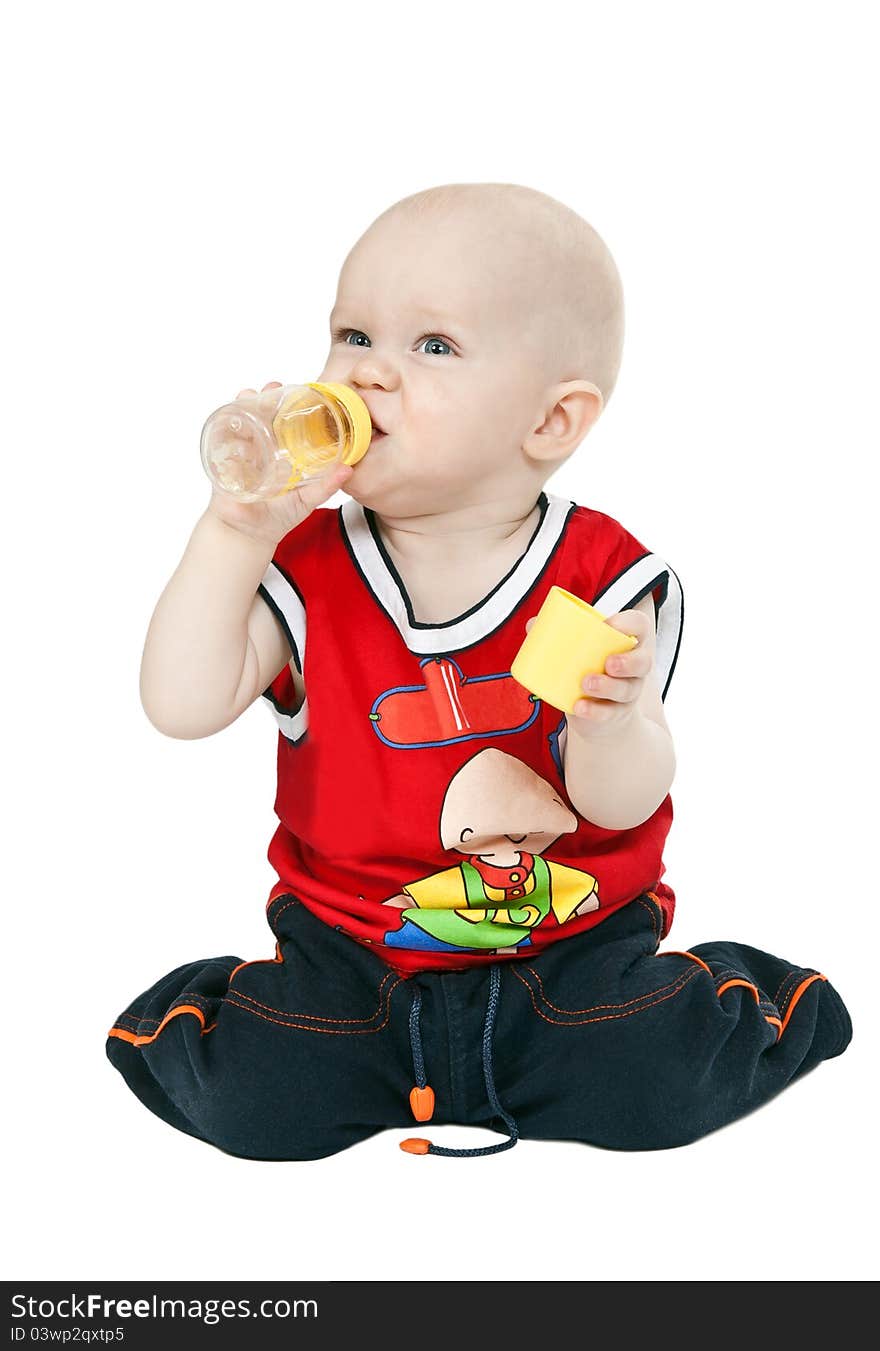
614 695
270 521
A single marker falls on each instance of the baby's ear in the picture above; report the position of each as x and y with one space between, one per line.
570 412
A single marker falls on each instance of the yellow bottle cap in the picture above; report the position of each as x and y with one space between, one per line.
359 413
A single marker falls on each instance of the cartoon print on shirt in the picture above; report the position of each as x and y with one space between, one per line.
450 707
501 816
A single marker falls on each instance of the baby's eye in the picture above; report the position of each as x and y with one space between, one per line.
345 333
441 341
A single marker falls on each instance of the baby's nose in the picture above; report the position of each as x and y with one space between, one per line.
373 369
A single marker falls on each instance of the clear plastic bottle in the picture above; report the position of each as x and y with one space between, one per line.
265 444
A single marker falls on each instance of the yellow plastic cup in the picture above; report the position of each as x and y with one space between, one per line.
568 640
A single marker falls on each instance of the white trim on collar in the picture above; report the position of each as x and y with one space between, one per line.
485 617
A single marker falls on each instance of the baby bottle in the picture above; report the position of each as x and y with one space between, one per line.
263 445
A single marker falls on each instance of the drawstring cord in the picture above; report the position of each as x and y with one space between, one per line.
422 1096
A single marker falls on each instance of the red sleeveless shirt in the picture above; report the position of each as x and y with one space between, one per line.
421 798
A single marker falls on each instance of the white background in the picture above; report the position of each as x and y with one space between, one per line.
186 181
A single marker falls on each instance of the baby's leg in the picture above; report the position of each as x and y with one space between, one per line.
294 1057
629 1049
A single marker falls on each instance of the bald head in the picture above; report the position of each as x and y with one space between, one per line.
549 268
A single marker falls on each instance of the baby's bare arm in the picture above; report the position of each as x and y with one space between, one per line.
619 759
213 644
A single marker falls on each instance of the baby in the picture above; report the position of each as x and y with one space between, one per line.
470 882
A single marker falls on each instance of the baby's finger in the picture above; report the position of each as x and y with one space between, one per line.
273 384
634 623
634 663
241 393
316 491
607 687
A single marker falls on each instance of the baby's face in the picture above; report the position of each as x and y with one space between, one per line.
432 327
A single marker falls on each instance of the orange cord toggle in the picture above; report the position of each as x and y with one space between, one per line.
421 1100
414 1145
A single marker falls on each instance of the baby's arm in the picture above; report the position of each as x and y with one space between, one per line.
213 644
619 758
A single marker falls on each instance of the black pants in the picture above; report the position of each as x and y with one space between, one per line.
599 1039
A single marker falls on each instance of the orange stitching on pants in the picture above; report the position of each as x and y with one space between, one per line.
788 975
324 1031
795 971
795 999
656 924
608 1017
683 952
257 961
317 1017
184 994
124 1034
649 994
141 1019
291 902
805 976
740 980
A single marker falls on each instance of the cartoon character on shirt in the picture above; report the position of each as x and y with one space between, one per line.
500 816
